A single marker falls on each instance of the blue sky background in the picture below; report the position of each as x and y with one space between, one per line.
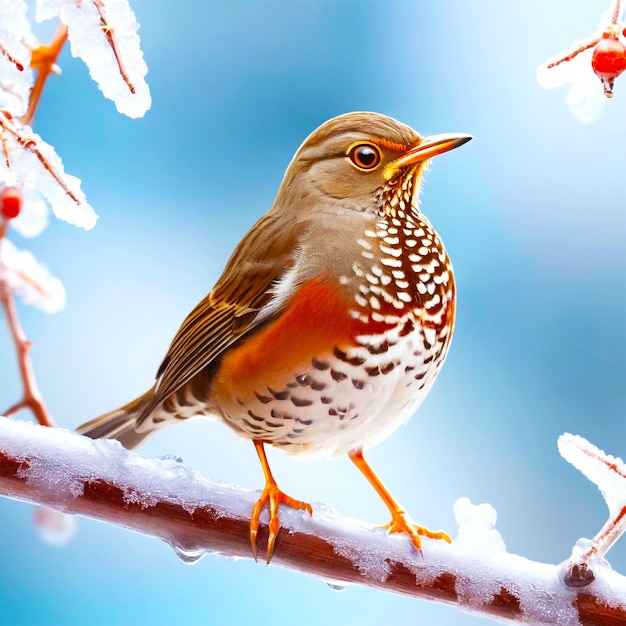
533 215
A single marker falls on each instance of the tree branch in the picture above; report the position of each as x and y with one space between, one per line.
196 516
31 398
44 60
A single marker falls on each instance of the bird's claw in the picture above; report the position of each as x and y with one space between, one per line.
274 496
402 522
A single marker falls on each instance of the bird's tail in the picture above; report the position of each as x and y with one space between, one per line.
123 424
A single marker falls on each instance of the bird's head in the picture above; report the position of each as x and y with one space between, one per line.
362 161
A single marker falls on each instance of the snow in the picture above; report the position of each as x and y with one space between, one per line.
604 470
60 462
585 97
33 218
369 560
30 279
57 464
47 9
104 34
477 526
34 164
15 72
609 474
119 67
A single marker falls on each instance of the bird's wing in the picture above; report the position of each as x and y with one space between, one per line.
248 293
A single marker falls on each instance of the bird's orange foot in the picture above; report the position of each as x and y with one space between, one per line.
402 522
274 496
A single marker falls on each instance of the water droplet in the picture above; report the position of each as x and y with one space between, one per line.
54 527
189 556
228 557
336 585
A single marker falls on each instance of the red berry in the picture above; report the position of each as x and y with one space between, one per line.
609 58
10 202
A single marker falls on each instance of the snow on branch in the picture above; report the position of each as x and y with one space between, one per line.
103 33
197 516
604 52
27 160
609 474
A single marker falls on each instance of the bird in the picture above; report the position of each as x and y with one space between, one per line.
331 319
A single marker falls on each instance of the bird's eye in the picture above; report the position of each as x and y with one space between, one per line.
366 156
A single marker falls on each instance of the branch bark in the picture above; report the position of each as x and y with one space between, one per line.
31 398
43 60
165 499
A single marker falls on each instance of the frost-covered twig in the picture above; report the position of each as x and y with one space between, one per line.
19 143
604 52
107 31
44 60
21 274
32 398
196 516
609 474
104 34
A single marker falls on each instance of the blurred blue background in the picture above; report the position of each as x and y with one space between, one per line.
532 213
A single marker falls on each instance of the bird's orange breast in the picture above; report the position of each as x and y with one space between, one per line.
315 320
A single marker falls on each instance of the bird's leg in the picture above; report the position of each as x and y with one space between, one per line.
273 495
400 519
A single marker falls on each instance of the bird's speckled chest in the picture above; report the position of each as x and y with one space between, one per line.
354 393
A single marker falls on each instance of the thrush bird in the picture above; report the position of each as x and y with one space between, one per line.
331 320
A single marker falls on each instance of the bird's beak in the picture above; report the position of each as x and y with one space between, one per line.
431 147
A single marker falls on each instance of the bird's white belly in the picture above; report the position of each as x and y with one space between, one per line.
339 404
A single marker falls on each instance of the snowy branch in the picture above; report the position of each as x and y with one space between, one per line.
603 52
196 516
